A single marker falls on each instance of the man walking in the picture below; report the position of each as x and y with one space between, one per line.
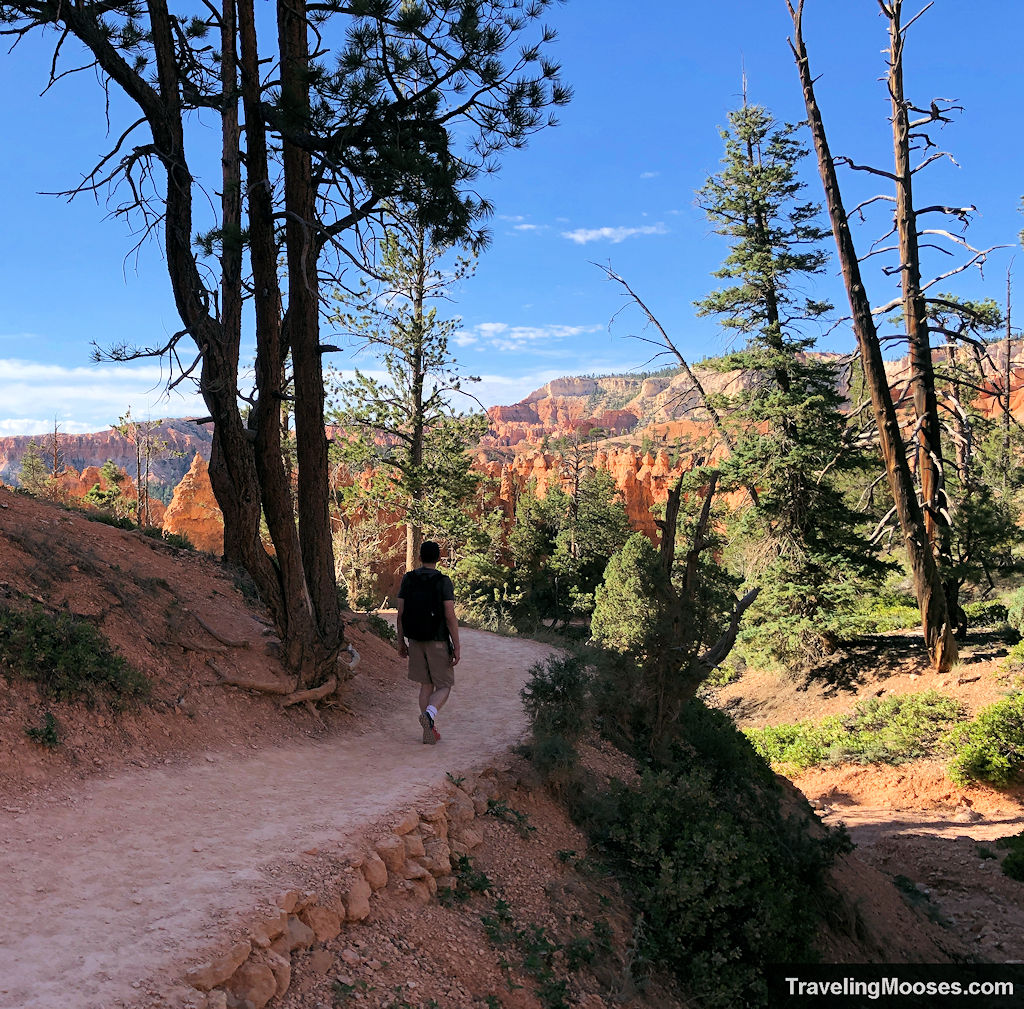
426 617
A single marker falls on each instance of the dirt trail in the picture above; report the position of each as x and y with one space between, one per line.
121 879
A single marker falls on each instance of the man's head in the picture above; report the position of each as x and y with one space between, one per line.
430 552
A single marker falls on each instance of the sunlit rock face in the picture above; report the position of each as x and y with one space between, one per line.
193 511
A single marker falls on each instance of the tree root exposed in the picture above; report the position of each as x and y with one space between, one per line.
274 685
230 642
191 646
313 694
288 690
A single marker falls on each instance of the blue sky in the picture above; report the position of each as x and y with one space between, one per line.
613 183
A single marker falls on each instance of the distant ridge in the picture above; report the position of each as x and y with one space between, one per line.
185 439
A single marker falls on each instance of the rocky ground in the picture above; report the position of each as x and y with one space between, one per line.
910 822
136 849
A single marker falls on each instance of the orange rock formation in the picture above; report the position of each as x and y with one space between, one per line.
193 511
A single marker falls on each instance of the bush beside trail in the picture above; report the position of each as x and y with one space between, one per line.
67 658
991 747
988 748
727 877
892 730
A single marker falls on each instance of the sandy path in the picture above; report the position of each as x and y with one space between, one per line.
114 881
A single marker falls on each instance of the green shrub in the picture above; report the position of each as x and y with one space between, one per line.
726 882
68 659
1015 610
627 617
47 734
108 519
376 624
555 696
991 747
891 608
1014 659
1013 864
366 601
986 612
554 757
892 730
178 540
490 597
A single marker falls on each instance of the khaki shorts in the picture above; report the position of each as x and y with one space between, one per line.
429 663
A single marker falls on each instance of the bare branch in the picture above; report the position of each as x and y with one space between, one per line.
859 209
934 157
843 160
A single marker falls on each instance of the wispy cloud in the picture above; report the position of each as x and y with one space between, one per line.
649 175
513 218
85 398
503 390
19 337
528 227
463 338
501 336
581 236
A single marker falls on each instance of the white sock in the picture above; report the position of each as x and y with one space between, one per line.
432 711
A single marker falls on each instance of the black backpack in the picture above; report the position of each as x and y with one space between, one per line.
423 613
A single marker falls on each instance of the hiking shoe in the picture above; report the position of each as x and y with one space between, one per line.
430 734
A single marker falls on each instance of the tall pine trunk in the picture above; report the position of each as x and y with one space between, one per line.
930 471
417 492
928 587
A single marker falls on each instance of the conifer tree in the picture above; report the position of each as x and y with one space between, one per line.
33 476
406 427
800 541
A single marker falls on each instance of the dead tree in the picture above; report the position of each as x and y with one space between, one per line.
1007 413
667 342
928 587
910 137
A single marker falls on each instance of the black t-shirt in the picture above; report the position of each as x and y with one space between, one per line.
447 594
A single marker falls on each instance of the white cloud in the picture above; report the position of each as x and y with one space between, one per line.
463 338
32 425
649 175
511 217
86 398
19 337
581 236
528 227
501 336
503 390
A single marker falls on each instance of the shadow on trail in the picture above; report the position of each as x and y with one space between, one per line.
879 656
876 656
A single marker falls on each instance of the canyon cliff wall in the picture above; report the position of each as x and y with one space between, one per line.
168 465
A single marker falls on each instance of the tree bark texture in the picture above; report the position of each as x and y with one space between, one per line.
928 587
302 331
915 318
413 529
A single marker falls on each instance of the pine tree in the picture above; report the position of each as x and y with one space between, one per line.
592 525
405 428
800 542
33 476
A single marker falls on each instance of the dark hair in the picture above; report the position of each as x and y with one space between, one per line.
430 552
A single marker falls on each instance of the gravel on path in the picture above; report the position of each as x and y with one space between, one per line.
123 879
